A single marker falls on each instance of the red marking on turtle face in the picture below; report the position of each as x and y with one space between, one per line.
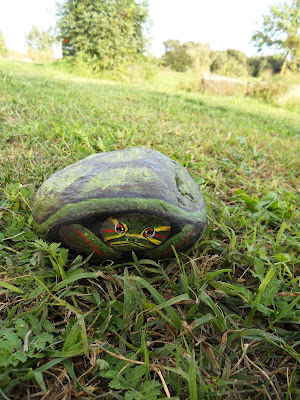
107 230
159 236
89 243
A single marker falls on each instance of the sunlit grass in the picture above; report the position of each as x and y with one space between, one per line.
221 322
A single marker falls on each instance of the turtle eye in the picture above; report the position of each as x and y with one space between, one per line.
120 228
149 232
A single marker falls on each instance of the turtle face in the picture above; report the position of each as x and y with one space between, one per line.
134 232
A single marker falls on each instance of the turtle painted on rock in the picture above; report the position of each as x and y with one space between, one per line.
114 203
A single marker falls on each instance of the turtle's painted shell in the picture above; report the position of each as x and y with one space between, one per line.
114 203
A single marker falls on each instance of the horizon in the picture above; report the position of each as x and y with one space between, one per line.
193 22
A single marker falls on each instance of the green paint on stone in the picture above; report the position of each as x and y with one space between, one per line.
114 203
96 207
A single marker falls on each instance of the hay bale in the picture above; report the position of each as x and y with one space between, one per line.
223 86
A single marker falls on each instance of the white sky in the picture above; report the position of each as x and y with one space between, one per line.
222 24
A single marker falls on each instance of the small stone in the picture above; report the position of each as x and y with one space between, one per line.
113 203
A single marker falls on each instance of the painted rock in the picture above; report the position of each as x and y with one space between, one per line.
114 203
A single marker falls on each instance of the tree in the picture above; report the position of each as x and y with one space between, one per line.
105 33
190 55
40 40
281 31
230 62
199 54
265 65
176 56
40 44
3 48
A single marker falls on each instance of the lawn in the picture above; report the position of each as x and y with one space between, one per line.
220 322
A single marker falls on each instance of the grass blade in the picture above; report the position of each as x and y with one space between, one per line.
11 287
75 277
161 302
261 289
192 379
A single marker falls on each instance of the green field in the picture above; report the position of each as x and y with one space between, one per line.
221 322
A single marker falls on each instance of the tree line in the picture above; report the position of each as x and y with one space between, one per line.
198 57
279 31
105 34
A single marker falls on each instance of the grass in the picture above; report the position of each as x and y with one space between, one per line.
220 322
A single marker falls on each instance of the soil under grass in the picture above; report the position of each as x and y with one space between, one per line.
221 322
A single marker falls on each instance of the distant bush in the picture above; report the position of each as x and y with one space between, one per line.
265 65
197 57
189 56
76 66
176 56
143 68
229 63
267 91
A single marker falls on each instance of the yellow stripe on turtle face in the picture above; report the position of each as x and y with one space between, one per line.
125 233
163 228
113 237
154 241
